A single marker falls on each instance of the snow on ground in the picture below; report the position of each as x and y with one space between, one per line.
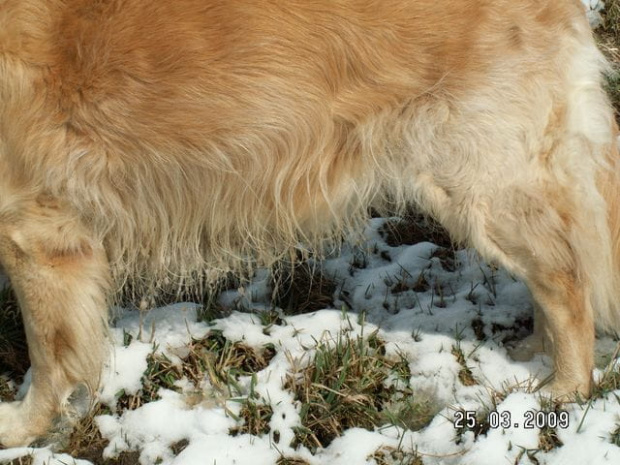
480 307
593 10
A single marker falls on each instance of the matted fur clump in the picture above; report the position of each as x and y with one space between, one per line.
149 142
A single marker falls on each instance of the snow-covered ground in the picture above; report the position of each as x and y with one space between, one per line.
466 303
593 10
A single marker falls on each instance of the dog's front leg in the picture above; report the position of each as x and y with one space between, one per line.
61 278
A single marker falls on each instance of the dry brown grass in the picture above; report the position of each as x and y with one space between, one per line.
414 228
466 377
256 417
391 456
612 19
301 288
609 40
291 461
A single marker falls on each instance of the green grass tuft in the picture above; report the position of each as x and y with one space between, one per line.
353 383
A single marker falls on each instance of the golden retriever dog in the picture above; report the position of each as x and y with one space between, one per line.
153 141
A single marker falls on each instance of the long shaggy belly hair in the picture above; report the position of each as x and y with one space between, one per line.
145 142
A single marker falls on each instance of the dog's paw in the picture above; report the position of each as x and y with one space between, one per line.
565 391
18 425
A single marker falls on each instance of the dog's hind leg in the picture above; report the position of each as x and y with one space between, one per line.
544 217
60 276
549 235
541 233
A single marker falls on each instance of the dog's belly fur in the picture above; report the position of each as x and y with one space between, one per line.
141 140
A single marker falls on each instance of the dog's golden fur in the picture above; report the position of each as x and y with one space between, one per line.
152 140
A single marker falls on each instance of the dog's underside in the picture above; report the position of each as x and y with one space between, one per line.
152 141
